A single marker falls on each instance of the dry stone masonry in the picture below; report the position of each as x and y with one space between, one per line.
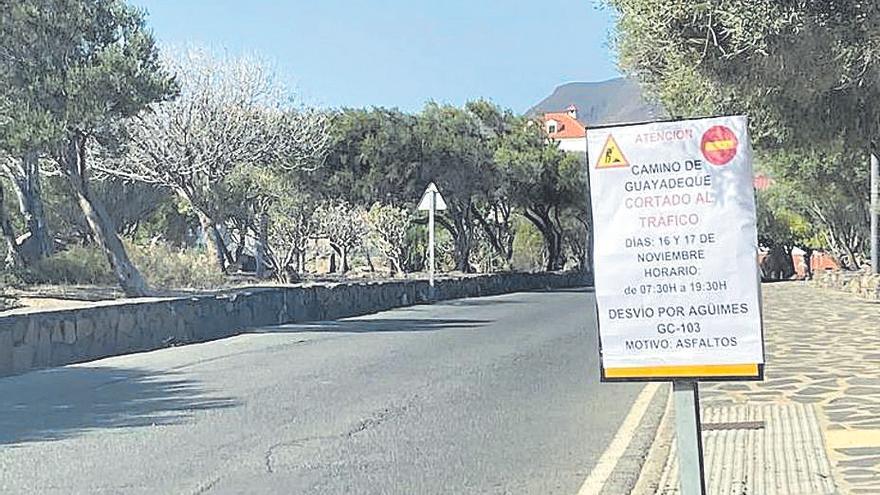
54 338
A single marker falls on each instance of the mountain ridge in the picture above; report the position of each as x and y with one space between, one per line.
613 101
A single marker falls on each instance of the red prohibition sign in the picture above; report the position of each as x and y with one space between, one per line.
719 145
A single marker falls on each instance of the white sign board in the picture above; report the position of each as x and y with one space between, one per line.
675 250
425 202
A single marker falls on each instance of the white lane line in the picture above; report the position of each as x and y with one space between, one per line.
597 478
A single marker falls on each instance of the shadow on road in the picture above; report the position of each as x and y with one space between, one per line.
480 302
379 325
64 402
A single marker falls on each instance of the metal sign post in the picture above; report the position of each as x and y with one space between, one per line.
431 201
687 431
431 237
875 210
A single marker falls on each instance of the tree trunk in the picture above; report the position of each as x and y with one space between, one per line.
38 244
13 257
808 263
554 250
345 266
778 264
461 243
213 239
462 252
552 235
74 167
370 265
498 236
262 242
332 268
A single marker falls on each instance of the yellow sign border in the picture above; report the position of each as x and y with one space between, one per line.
687 371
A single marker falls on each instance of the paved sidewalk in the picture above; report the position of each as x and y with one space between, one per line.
822 385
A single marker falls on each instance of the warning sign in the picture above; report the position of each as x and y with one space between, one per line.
675 251
719 145
611 156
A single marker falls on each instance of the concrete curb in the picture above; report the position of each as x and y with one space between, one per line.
655 462
627 472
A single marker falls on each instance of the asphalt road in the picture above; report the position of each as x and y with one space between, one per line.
486 395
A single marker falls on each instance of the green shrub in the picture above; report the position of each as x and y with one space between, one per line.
8 280
78 265
528 247
171 268
164 267
8 301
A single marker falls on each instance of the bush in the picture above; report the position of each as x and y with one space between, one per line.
171 268
528 247
79 265
164 267
8 281
8 301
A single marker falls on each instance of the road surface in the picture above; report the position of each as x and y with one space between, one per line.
485 395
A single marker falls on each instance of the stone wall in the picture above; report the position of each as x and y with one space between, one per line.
861 283
54 338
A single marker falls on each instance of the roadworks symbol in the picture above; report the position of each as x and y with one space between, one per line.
611 156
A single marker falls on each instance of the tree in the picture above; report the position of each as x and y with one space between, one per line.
344 227
494 212
388 229
231 112
74 69
805 72
12 257
374 155
808 185
456 156
544 181
24 174
292 223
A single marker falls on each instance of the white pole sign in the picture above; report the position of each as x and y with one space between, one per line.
431 202
676 250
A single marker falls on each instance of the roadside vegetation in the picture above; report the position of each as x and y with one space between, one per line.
123 163
807 75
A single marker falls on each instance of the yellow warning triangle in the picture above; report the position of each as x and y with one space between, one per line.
611 156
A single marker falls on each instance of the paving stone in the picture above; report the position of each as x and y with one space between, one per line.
735 386
822 349
858 473
861 417
861 462
872 391
873 423
875 382
832 382
860 451
808 399
814 391
851 400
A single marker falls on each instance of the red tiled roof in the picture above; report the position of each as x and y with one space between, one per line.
762 182
567 127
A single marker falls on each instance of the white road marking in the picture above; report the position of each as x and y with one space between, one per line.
597 478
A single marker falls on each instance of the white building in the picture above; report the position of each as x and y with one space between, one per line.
564 128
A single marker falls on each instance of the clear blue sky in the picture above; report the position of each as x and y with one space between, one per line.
400 53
